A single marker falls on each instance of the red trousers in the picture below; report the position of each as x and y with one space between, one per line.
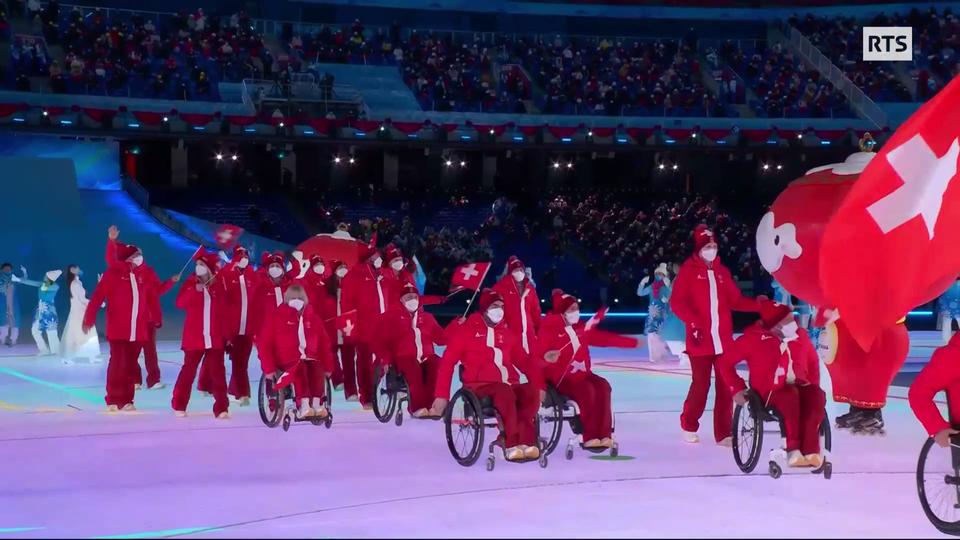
696 401
240 349
150 359
802 409
421 380
592 394
365 373
216 377
309 381
518 405
119 381
348 361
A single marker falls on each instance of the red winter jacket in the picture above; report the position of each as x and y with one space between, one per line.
942 372
126 291
282 345
317 295
155 287
203 325
364 290
240 285
521 308
268 296
488 354
573 342
402 334
394 284
761 349
703 298
333 308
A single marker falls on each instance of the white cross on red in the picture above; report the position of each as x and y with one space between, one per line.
348 328
470 271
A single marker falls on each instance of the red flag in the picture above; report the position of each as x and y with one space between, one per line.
469 276
227 236
347 323
892 243
592 322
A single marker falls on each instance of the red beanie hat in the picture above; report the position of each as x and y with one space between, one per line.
240 252
274 258
125 251
210 260
265 258
487 297
409 289
702 236
772 313
391 252
366 251
513 264
561 301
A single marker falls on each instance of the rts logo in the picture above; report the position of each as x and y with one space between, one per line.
888 43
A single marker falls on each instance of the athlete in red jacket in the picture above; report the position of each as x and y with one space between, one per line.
405 338
704 295
365 291
240 282
124 288
520 301
395 275
785 374
204 299
155 289
942 372
344 352
566 344
491 354
294 340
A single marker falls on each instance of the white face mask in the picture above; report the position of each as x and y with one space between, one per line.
495 315
75 271
201 270
378 262
572 317
341 272
708 254
789 330
519 275
275 271
397 265
412 304
243 262
318 268
296 303
137 260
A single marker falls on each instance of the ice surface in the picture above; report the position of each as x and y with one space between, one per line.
72 470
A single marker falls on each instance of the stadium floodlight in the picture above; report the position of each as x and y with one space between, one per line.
336 159
590 134
233 157
766 167
351 160
661 166
556 164
219 156
569 164
448 162
675 166
779 167
463 164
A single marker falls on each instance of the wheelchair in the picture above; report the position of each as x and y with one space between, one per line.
748 433
389 394
465 420
938 484
284 409
558 409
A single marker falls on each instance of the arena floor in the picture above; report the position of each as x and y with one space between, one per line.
73 470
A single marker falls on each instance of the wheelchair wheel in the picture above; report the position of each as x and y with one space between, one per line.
265 393
384 393
747 437
328 395
550 419
938 485
463 423
826 437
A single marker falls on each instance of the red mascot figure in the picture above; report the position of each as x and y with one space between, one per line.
785 374
521 304
406 338
204 299
365 291
293 340
124 287
240 281
704 295
789 240
942 372
491 354
567 343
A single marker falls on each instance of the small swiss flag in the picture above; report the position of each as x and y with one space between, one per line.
592 322
227 236
347 323
469 276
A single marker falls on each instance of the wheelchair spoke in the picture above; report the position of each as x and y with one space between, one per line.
940 479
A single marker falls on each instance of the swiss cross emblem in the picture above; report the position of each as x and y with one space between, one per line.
470 271
348 328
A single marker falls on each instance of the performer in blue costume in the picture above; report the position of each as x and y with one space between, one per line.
45 317
9 306
673 331
659 293
948 306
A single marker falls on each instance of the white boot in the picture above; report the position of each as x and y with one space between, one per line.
54 341
38 337
180 414
305 410
157 386
796 459
128 407
319 408
513 453
727 442
690 436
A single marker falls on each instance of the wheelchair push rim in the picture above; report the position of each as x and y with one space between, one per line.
550 421
384 393
747 437
265 392
464 425
938 485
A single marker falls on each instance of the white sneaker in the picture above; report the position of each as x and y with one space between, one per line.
128 407
796 459
338 387
353 398
514 454
728 442
321 411
690 436
180 414
245 401
112 408
157 386
137 386
223 416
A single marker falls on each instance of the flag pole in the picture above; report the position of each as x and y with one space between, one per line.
474 297
182 270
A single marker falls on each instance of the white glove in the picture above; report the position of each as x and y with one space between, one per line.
14 278
24 270
666 281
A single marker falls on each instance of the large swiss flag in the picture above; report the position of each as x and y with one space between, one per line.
893 243
469 276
